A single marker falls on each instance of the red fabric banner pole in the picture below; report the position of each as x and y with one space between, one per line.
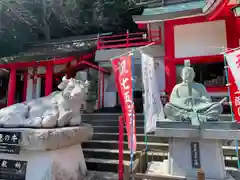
120 148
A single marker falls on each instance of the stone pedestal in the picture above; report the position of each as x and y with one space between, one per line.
49 154
186 156
196 147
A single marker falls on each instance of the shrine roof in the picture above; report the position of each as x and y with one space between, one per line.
55 49
171 11
173 8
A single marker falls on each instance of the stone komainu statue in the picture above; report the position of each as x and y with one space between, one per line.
60 108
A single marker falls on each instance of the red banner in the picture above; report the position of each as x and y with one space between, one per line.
122 68
235 96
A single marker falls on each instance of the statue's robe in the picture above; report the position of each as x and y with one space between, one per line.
186 98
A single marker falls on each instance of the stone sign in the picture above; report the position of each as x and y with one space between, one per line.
10 142
195 153
12 169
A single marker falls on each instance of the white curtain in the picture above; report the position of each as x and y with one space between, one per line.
153 108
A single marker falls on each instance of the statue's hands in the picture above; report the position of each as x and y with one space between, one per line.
188 101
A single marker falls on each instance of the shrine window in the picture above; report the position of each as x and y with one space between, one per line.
209 74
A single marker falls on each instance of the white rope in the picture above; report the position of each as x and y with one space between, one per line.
230 49
131 51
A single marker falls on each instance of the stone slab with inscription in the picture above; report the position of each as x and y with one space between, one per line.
47 154
61 164
51 139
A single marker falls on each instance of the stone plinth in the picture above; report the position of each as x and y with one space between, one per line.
196 147
52 154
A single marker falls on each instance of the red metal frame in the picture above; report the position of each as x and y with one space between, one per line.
48 75
36 63
170 60
218 10
129 39
201 59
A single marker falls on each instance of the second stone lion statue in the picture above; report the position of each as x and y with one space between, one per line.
60 108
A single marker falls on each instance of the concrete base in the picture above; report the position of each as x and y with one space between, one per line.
188 155
61 164
161 168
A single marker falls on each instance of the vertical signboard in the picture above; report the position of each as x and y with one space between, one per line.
13 169
195 154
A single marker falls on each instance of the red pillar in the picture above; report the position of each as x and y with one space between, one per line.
49 79
25 83
232 32
102 78
11 86
170 67
99 90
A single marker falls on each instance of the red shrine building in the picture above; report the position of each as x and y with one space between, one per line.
199 31
37 73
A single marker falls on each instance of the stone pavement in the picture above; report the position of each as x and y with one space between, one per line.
97 175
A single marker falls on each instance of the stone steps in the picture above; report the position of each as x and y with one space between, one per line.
107 165
99 117
114 129
109 122
97 144
108 116
140 137
113 154
101 153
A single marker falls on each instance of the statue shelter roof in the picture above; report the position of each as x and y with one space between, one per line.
55 49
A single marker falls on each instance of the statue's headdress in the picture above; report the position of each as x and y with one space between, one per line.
187 67
187 63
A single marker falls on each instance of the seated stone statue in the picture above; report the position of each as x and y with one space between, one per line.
188 97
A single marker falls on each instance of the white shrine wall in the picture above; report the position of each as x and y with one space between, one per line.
110 98
200 39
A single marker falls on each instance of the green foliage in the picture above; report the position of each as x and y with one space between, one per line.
24 21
